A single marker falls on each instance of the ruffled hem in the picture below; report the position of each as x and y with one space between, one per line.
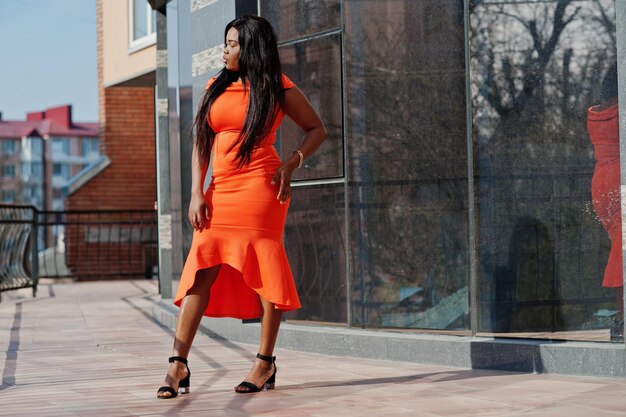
613 277
250 269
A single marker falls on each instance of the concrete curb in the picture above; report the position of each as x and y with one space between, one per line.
518 355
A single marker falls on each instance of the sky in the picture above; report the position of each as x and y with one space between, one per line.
48 57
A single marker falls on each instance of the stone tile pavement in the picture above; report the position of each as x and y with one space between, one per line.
92 349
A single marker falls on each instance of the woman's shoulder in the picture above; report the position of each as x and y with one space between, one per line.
211 81
287 83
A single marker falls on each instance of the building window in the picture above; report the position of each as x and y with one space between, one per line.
8 171
61 170
34 169
57 169
60 146
142 24
8 147
32 148
8 196
90 147
37 168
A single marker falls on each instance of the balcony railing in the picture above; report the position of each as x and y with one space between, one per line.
18 248
81 245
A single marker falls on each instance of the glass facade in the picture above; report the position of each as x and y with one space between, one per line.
541 232
316 64
546 159
407 155
470 182
294 19
315 241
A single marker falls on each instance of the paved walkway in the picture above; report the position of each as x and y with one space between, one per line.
92 349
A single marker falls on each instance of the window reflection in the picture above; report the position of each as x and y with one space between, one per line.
537 67
315 233
296 18
315 67
603 126
315 244
545 161
408 163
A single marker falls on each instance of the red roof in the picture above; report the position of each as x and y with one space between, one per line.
56 121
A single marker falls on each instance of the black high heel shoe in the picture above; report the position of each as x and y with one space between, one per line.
269 384
183 384
617 331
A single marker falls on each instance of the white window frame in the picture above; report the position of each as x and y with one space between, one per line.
61 146
93 145
145 41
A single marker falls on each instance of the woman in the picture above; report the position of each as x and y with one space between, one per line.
237 256
603 126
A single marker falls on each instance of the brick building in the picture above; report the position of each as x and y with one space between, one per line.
42 155
126 181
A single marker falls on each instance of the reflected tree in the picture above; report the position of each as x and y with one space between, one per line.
536 68
539 64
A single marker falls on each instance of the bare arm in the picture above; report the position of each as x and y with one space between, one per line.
198 172
298 108
198 213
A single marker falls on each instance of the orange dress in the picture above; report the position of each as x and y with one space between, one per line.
246 223
603 126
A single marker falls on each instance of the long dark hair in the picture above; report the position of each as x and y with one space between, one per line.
259 64
609 83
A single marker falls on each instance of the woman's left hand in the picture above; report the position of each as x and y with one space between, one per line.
283 178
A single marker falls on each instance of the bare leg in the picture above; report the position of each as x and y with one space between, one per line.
262 370
193 306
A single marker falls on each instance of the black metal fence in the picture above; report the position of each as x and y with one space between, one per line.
18 248
76 244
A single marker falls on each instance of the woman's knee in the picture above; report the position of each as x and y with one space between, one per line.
204 280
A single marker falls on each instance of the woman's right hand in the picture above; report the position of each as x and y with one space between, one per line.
198 214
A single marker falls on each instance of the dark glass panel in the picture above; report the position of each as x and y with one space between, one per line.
407 148
543 192
296 18
315 237
315 67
